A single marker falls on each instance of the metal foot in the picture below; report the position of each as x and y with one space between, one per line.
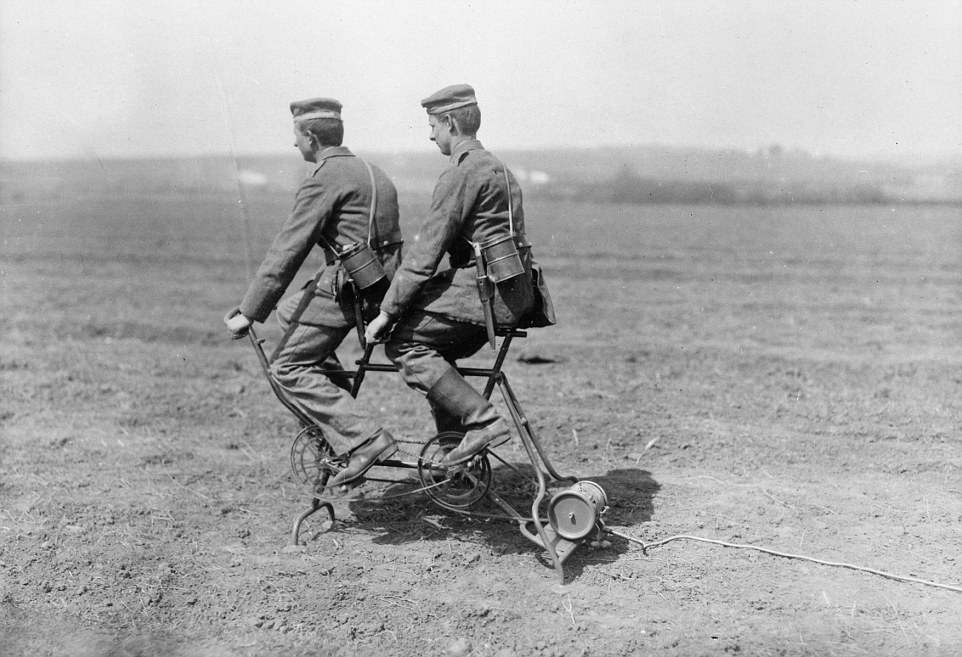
316 506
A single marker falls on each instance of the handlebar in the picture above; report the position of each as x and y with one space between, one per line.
232 313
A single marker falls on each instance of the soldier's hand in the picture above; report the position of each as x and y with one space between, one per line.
379 328
237 323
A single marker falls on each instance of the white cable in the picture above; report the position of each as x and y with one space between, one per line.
882 573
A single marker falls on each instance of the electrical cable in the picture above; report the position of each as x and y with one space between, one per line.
839 564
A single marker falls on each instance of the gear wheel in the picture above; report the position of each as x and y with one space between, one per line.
455 488
312 459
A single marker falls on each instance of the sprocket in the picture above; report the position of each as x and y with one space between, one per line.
312 459
454 488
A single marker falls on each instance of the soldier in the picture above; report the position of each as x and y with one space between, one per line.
343 204
436 314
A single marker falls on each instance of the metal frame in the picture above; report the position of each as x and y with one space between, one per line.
531 526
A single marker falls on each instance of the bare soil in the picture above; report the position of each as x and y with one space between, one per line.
788 378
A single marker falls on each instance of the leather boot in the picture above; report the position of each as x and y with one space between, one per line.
378 447
474 441
444 421
458 400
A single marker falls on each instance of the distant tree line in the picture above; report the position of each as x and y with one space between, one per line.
628 187
665 181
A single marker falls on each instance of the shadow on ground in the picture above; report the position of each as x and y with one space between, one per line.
402 512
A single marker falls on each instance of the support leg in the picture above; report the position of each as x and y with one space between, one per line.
316 506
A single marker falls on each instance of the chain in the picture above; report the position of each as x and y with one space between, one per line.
407 492
332 463
413 456
315 491
420 489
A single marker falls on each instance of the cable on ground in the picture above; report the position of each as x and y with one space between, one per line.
839 564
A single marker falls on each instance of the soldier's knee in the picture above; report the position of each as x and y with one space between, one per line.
282 370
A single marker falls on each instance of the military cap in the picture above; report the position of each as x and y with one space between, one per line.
450 98
316 108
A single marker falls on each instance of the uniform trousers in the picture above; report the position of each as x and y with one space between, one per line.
301 368
425 347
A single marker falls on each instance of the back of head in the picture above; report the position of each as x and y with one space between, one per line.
320 117
457 101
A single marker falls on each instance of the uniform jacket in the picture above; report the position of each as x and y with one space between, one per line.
469 204
331 206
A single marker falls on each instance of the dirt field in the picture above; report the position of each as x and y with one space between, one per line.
785 378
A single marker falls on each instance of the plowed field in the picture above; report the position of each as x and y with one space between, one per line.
786 378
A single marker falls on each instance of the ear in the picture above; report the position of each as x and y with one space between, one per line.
452 124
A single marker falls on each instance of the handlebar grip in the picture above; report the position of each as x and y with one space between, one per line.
234 312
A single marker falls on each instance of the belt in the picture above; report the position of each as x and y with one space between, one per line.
382 244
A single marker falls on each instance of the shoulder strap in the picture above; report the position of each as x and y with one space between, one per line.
370 219
507 184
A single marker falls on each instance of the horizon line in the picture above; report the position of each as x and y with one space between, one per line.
789 151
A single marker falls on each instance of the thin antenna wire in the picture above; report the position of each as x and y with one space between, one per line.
228 125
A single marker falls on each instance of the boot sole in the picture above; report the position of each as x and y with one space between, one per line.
385 453
497 442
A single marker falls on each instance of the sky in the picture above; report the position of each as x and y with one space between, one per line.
124 78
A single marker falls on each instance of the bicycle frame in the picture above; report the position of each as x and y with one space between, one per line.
531 526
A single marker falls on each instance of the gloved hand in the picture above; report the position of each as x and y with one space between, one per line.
237 323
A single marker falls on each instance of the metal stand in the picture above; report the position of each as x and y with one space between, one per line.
310 448
316 505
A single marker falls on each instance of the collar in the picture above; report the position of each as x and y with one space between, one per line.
463 148
328 153
334 151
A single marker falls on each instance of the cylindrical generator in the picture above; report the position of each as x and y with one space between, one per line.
573 513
